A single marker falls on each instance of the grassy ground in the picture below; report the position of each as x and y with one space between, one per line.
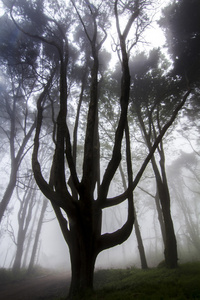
159 283
7 276
125 284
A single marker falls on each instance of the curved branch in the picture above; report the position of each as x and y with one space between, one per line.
34 35
124 101
81 21
71 161
121 198
109 240
131 20
117 19
47 189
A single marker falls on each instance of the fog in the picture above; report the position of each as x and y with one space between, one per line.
53 251
99 128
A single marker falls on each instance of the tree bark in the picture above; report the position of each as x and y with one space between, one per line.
19 252
24 218
16 160
8 193
170 251
137 229
160 217
30 236
37 235
141 249
82 261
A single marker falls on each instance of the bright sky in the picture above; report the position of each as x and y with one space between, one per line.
153 36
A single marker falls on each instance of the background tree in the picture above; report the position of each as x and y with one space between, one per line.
181 25
18 58
153 107
184 171
37 235
27 203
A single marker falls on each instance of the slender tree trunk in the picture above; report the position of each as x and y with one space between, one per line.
7 251
137 229
170 252
160 217
15 163
33 255
140 245
24 218
30 237
19 252
8 193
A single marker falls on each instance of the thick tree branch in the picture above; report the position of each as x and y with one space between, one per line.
109 240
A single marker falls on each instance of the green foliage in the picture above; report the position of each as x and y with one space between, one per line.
181 24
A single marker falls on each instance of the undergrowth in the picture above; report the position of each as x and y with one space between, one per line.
160 283
157 283
8 276
128 284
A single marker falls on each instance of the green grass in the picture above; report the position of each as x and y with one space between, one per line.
128 284
8 276
159 283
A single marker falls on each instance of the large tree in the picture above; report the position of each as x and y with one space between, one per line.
79 196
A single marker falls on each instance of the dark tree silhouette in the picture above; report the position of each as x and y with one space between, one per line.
181 26
79 196
153 107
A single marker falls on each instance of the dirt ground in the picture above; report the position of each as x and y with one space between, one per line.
38 288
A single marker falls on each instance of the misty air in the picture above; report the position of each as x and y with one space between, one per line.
99 149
